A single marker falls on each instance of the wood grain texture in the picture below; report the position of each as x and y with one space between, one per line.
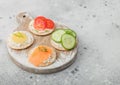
20 57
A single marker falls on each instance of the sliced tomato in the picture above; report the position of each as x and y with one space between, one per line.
40 23
40 17
50 24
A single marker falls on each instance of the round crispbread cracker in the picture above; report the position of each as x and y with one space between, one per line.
38 32
49 61
17 46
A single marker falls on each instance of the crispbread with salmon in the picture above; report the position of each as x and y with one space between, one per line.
42 55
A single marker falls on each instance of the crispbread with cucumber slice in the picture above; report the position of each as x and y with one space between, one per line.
64 58
63 39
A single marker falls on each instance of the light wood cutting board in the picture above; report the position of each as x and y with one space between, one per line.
20 57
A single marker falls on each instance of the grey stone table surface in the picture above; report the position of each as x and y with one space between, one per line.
97 23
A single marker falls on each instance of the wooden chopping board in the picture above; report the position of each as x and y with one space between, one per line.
20 57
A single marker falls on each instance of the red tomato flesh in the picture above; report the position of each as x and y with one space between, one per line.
50 24
41 23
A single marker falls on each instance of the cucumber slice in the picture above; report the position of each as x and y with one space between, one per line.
56 36
68 41
71 32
